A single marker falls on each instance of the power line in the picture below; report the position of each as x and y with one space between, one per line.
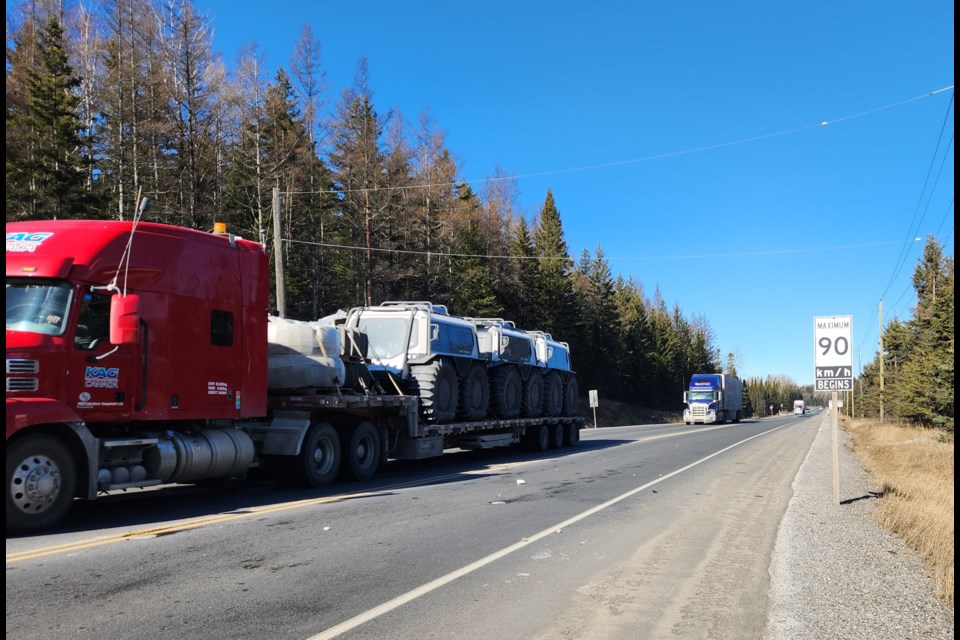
347 247
618 163
911 229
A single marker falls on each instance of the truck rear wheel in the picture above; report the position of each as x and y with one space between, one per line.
556 435
362 455
531 405
41 482
537 438
571 434
319 459
474 394
505 390
437 388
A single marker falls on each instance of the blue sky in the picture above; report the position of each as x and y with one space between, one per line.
762 163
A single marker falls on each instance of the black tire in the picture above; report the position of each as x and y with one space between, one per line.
537 438
474 394
505 392
362 455
737 417
531 403
41 483
552 394
571 396
571 434
319 460
556 435
437 387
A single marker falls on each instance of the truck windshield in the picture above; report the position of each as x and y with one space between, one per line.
38 306
387 336
700 395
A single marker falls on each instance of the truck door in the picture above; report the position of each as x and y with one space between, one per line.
102 378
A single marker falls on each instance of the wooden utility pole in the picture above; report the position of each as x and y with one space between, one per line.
881 361
278 255
368 241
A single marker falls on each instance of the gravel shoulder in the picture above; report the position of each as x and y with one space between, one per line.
835 573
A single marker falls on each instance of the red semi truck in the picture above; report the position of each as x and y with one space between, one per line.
137 355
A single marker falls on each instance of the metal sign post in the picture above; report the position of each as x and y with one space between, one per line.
833 366
594 402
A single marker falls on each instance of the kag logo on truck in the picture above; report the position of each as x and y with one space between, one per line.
24 242
101 378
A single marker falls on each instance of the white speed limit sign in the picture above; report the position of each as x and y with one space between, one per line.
833 353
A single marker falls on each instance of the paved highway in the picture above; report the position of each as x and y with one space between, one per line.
647 532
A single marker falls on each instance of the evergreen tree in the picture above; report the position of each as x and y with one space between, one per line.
554 288
359 169
475 293
597 339
520 285
637 340
47 178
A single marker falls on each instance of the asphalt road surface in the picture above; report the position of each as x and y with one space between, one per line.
655 531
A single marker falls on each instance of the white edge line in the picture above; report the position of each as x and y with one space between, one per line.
424 589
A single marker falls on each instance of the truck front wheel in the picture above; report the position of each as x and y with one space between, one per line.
41 482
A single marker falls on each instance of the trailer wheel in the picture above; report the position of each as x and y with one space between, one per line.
531 405
41 481
555 432
361 457
552 394
571 396
571 434
505 392
537 438
737 417
474 394
437 387
319 459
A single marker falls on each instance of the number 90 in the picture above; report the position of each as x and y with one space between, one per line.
840 345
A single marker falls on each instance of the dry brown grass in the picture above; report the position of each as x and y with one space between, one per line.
915 472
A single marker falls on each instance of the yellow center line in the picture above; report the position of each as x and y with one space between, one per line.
259 511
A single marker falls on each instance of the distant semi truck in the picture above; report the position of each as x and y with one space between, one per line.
799 408
713 397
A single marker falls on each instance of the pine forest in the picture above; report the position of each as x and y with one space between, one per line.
127 100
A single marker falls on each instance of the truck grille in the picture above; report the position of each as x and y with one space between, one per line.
18 365
22 366
699 410
22 384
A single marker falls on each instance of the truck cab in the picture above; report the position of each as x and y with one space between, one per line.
712 398
110 336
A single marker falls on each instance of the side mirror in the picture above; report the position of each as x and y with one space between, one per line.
125 319
434 332
504 343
